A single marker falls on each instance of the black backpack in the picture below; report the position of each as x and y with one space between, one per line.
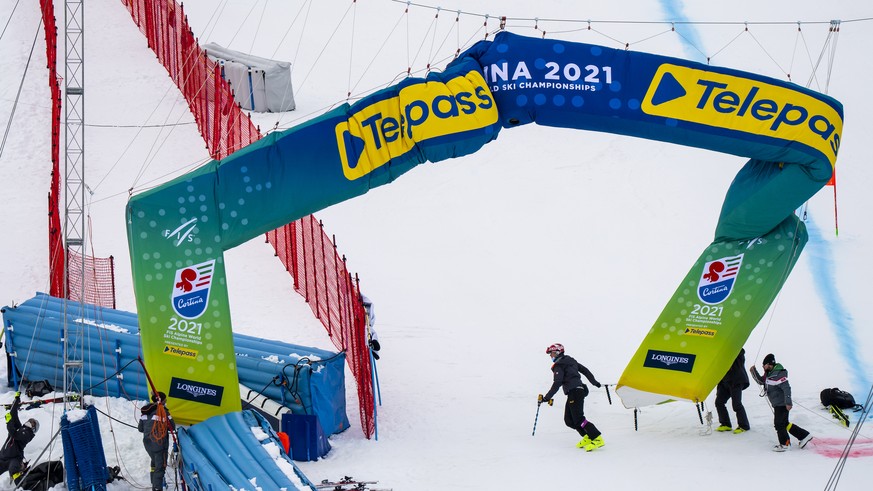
839 398
38 388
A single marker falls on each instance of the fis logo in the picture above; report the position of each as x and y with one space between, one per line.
183 233
191 289
741 104
717 279
389 128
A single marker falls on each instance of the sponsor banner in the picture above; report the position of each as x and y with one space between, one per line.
693 343
181 292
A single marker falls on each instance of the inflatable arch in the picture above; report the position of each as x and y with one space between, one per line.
179 231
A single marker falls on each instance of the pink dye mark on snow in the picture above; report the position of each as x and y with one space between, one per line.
833 447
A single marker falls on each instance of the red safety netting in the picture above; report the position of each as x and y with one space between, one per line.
223 125
319 275
100 275
56 259
99 281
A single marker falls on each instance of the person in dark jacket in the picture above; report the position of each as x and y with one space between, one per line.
18 436
732 385
566 372
775 382
155 423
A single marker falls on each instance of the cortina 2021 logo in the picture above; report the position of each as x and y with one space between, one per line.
742 104
191 289
718 278
391 127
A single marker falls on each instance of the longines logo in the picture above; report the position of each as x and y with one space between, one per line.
666 360
201 392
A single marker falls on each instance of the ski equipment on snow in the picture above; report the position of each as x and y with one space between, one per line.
839 415
839 398
348 483
39 402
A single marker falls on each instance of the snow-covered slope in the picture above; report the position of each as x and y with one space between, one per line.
477 264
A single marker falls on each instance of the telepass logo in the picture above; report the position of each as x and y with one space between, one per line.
717 279
191 289
390 128
746 105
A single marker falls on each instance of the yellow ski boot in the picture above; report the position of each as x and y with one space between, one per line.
595 443
583 442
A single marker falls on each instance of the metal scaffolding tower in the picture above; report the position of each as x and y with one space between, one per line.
74 191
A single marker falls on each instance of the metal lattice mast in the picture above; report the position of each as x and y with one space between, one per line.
74 192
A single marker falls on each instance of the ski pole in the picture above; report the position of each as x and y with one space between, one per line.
534 432
608 397
540 402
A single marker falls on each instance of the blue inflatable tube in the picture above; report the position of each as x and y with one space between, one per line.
314 378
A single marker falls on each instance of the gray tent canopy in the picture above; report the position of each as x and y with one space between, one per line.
259 84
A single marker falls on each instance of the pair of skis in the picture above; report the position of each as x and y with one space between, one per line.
348 484
839 415
39 402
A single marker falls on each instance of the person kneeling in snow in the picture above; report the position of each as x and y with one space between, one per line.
19 435
155 423
566 375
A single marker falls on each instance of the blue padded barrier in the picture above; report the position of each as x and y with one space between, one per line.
36 342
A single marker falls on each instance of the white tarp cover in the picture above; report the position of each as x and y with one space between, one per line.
259 84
